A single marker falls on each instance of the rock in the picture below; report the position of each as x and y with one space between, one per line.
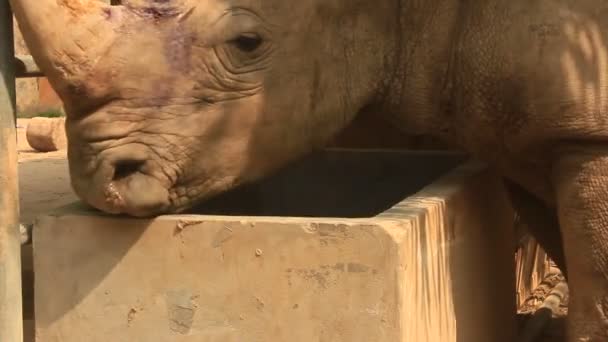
46 134
26 233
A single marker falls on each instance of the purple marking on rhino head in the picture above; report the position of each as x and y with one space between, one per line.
107 13
178 49
159 9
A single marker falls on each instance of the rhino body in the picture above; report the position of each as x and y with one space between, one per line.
170 102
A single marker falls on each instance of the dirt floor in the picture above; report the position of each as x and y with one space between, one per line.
43 178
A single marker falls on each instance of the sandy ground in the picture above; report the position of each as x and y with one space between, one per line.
44 181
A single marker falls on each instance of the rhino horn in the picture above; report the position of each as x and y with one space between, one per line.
66 37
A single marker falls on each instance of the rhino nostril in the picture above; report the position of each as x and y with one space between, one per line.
126 168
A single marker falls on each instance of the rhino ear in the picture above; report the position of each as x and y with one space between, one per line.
66 37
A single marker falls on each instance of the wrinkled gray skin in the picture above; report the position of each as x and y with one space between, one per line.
170 102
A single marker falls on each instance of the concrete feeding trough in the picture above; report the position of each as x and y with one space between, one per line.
342 246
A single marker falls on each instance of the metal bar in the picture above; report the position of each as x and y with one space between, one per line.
25 66
11 312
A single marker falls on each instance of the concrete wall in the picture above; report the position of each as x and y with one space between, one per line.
33 94
27 89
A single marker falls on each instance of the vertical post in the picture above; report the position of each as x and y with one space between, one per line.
11 317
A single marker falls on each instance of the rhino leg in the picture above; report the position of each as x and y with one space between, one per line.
541 221
580 179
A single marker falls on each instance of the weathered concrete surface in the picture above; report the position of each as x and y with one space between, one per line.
437 266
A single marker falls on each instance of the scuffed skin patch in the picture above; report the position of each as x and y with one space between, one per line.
113 197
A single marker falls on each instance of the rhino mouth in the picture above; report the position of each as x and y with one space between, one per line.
134 193
119 186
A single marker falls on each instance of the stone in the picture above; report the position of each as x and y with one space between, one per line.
46 134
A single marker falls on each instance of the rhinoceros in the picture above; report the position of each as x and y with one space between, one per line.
170 102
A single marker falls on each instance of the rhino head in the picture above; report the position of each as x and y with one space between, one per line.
170 102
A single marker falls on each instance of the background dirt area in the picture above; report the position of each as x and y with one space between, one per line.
44 181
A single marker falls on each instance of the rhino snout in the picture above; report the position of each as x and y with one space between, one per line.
124 187
132 191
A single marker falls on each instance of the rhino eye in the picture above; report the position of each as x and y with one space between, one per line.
248 42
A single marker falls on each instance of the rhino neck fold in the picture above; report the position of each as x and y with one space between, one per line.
422 74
